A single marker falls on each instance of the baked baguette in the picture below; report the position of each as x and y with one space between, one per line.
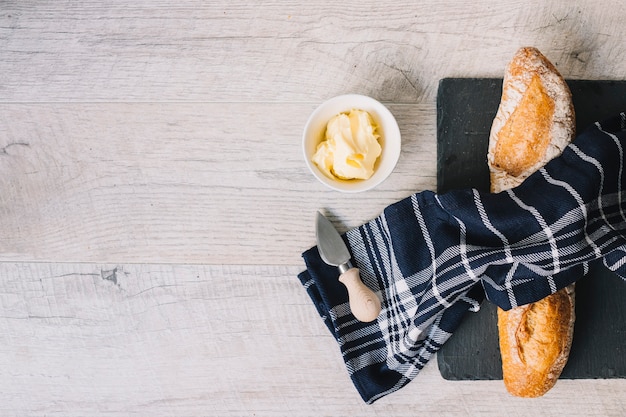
535 341
534 123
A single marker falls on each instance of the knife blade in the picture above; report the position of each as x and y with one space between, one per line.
364 303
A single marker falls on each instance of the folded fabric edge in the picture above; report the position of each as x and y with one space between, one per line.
377 380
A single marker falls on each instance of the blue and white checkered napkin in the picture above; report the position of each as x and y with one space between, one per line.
431 257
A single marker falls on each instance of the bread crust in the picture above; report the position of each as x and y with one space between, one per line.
535 341
534 123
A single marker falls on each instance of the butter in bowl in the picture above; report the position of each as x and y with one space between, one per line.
351 143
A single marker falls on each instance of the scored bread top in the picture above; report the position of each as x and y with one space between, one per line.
535 342
534 122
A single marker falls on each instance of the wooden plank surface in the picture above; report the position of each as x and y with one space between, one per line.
186 183
190 50
154 201
184 340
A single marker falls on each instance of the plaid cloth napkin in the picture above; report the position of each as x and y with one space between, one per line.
433 257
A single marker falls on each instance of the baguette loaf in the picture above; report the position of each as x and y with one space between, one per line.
533 124
535 341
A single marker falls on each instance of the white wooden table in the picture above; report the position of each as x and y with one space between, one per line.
154 201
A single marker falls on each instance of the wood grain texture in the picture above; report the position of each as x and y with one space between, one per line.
186 183
111 339
154 201
289 50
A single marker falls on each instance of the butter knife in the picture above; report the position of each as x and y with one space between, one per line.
364 304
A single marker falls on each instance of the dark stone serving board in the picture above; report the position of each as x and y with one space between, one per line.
465 110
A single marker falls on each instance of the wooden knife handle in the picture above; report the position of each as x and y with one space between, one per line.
364 304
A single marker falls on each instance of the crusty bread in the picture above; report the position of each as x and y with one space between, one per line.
533 124
535 341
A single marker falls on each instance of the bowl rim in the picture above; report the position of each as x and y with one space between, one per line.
385 120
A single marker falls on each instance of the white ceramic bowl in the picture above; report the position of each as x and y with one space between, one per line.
390 141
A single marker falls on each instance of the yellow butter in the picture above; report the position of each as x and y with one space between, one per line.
350 147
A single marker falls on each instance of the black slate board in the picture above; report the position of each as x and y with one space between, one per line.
465 110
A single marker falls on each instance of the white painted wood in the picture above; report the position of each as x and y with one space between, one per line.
181 340
190 50
186 183
154 201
